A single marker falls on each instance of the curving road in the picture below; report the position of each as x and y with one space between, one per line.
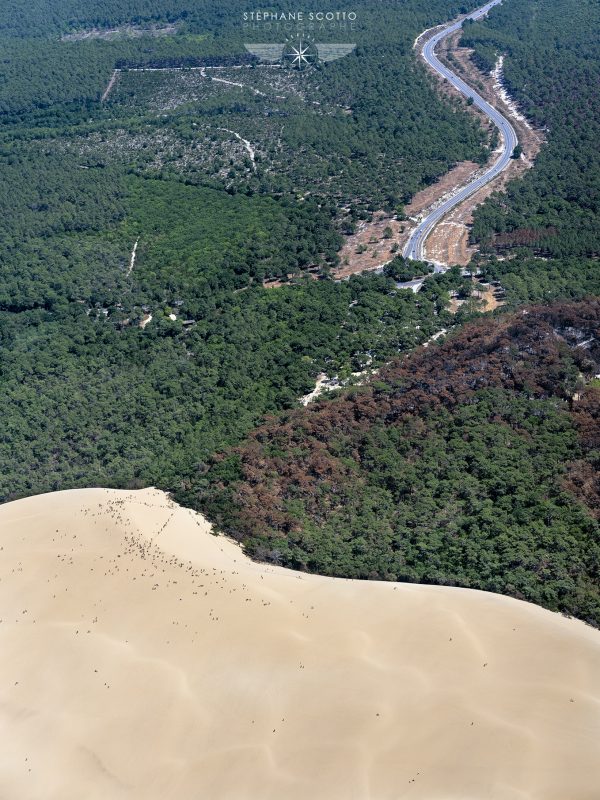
414 246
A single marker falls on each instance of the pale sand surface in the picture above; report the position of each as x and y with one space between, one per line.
142 657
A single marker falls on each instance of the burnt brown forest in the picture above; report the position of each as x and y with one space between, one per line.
473 462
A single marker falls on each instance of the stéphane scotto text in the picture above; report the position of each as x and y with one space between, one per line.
299 16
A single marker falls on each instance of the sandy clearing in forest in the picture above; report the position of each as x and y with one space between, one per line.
143 657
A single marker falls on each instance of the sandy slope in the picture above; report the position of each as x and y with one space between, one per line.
142 657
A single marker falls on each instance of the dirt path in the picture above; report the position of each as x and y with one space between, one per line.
246 143
113 79
202 70
132 257
231 83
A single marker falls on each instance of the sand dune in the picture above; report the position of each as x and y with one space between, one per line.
142 657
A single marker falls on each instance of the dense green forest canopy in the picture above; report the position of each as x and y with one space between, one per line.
45 18
118 370
552 68
375 113
95 399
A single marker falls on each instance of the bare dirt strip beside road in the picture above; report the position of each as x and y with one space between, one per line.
449 241
369 240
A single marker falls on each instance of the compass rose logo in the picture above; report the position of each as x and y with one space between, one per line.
300 54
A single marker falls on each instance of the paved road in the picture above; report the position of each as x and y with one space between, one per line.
414 246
